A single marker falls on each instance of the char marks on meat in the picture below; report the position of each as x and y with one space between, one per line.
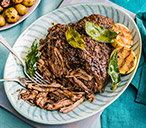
76 74
95 18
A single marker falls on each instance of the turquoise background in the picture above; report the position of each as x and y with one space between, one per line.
114 116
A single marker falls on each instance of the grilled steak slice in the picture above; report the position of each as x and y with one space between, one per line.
97 63
93 61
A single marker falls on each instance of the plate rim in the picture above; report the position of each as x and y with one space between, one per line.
108 103
23 17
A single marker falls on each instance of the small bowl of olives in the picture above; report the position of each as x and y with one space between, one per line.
13 12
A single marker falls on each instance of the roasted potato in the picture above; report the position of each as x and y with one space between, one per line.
17 1
28 3
1 9
2 21
11 15
21 9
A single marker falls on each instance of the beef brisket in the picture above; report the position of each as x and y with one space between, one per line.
59 58
73 74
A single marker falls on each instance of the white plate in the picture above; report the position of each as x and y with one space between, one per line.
38 30
30 10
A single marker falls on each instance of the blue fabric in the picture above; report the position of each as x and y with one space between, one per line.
141 22
125 112
132 5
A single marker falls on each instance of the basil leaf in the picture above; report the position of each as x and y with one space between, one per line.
113 70
99 33
74 38
32 57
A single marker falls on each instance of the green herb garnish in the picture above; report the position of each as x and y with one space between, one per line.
74 38
99 33
32 57
113 70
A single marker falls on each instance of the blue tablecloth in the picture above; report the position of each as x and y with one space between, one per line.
124 112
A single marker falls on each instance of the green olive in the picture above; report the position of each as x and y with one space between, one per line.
1 9
2 21
17 1
28 3
11 15
21 9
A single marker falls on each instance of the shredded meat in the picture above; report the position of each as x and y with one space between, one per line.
79 73
59 104
71 107
74 75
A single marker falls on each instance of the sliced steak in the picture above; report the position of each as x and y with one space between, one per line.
97 63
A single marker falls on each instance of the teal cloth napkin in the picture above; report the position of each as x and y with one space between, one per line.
125 112
141 22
